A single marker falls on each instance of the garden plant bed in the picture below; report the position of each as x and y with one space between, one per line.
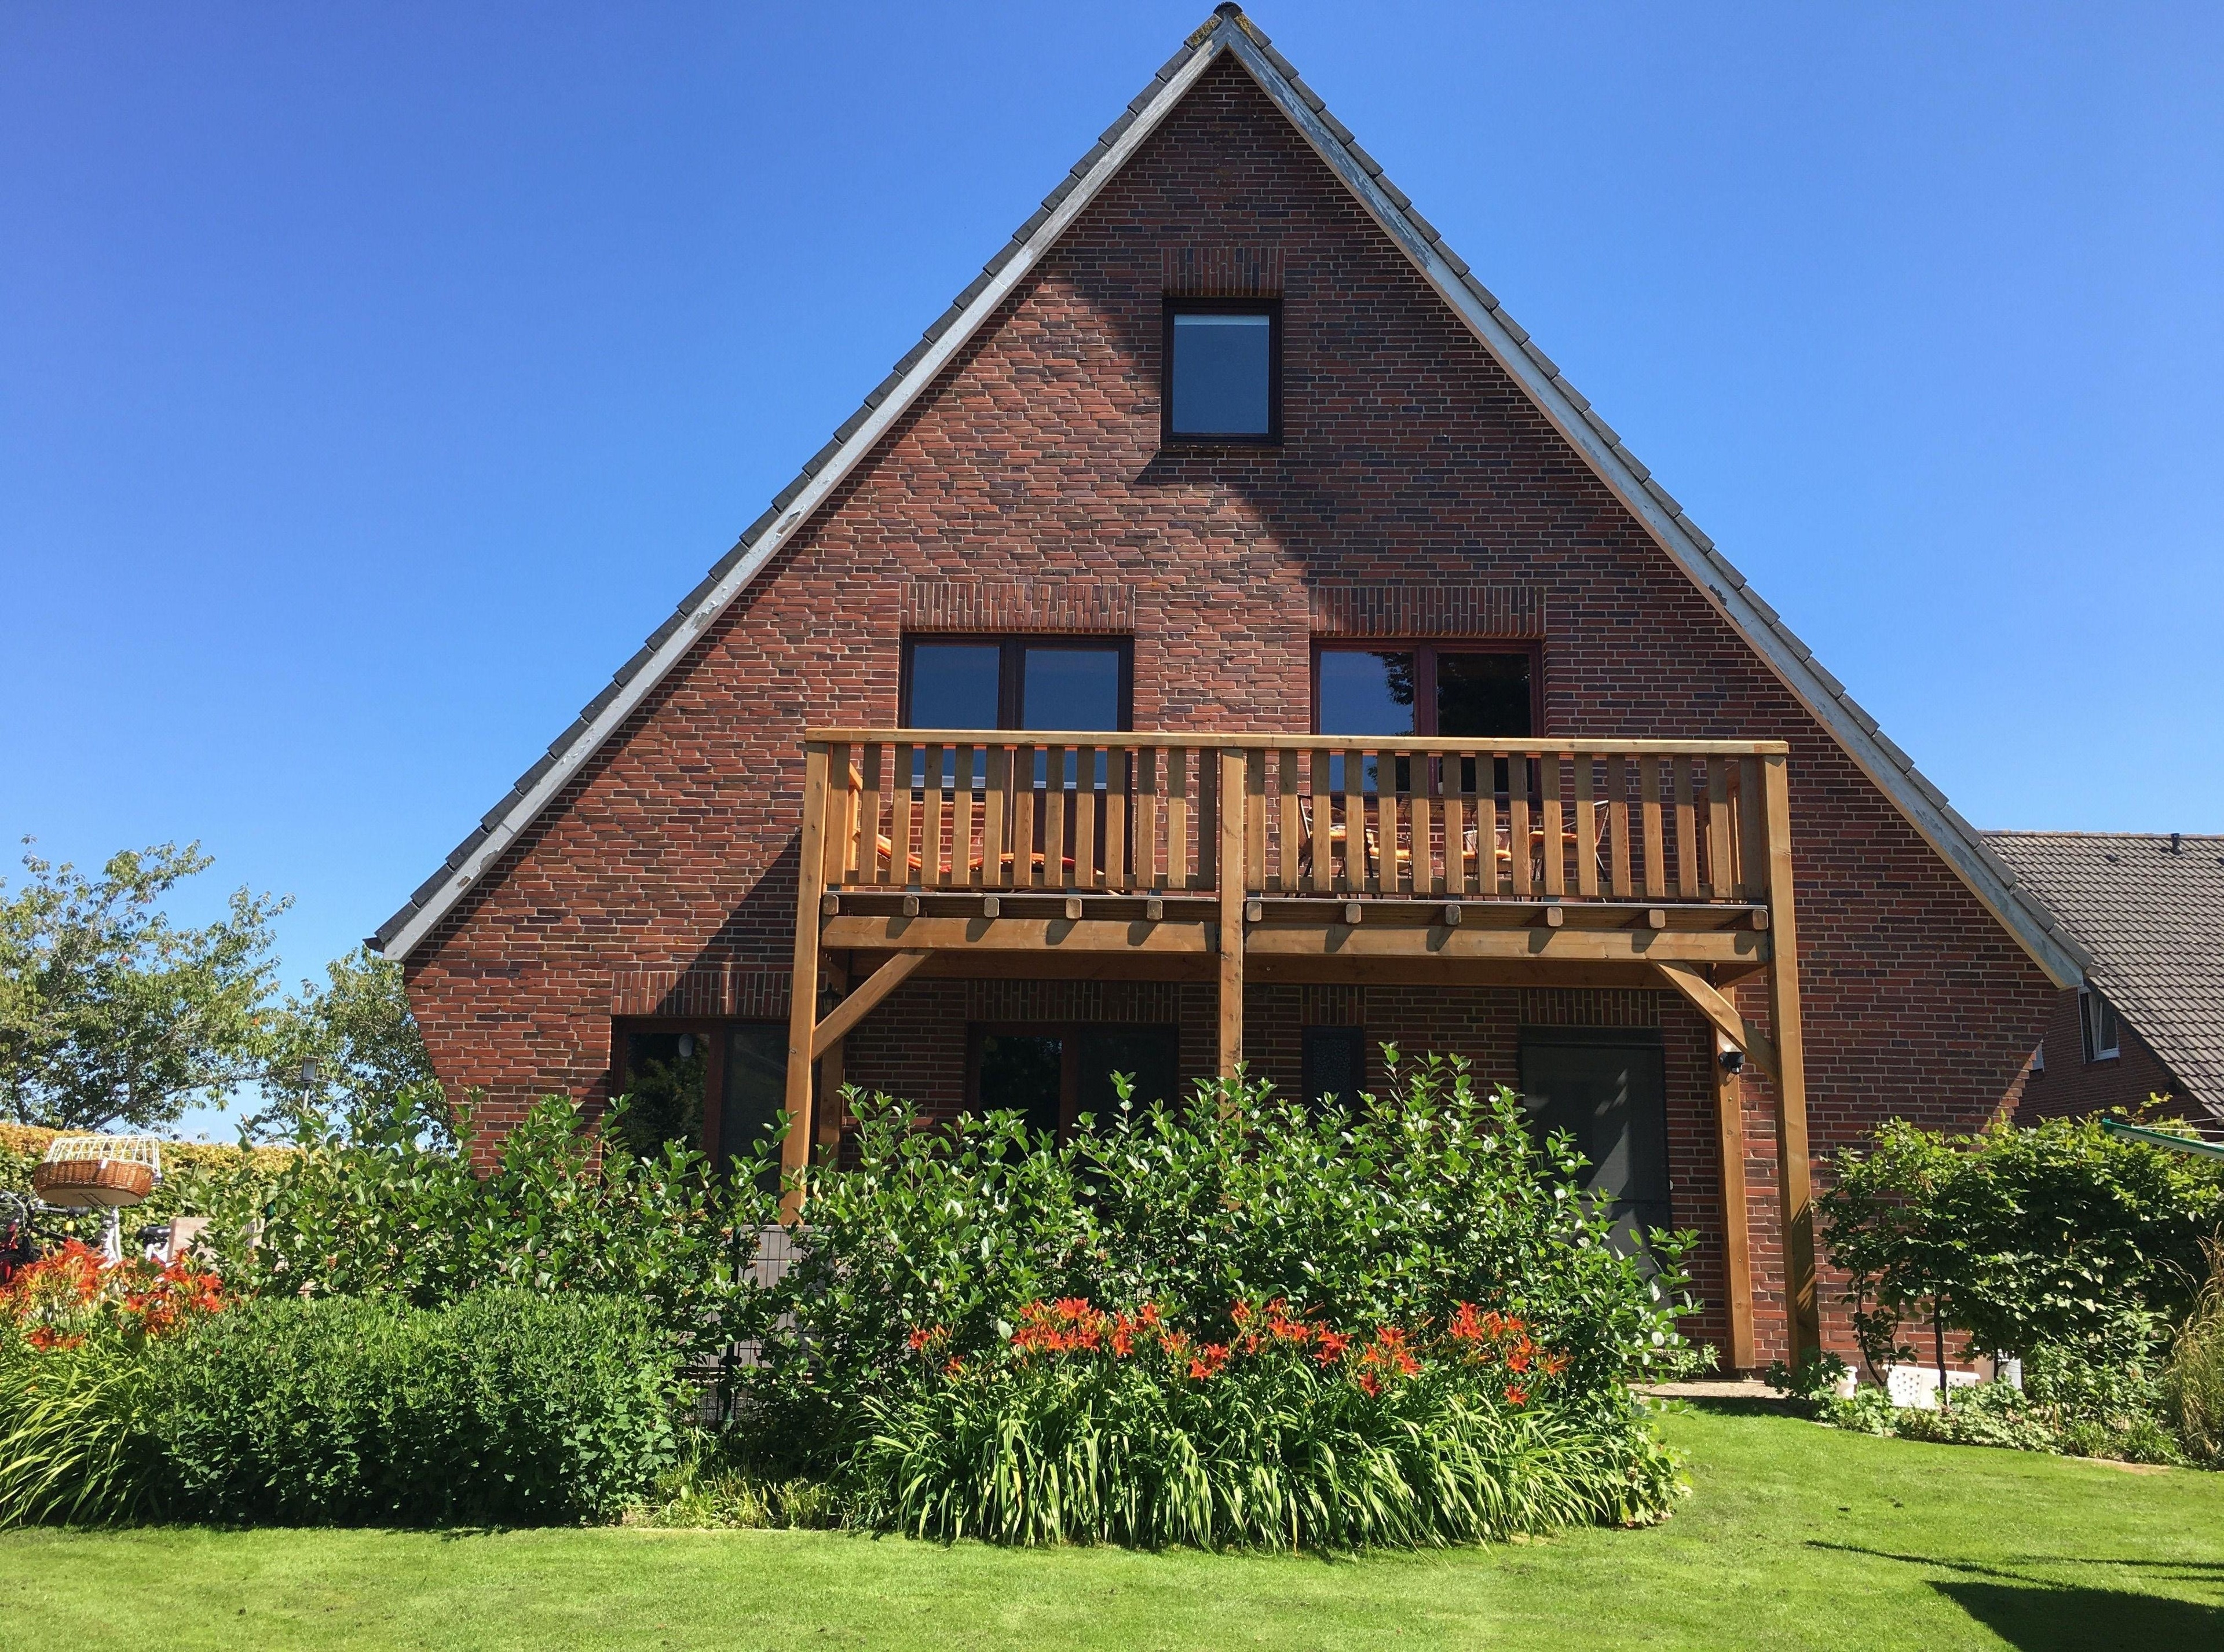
1794 1537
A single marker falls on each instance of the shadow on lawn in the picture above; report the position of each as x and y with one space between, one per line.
2037 1615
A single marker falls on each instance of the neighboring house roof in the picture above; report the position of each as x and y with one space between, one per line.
2150 908
1228 32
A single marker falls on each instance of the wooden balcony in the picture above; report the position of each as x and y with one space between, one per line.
1302 859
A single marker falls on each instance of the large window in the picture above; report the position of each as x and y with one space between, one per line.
1046 683
1055 1075
1223 371
1334 1064
1607 1088
717 1086
1459 690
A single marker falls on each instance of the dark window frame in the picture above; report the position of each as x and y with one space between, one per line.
1269 307
1011 666
1424 651
717 1028
1069 1034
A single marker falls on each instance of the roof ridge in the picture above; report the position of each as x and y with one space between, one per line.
1989 877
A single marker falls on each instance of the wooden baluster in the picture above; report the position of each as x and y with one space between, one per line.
1687 834
1285 859
900 858
1208 819
1053 814
1425 881
1025 798
993 873
1119 869
1354 823
1617 826
1318 806
1087 809
965 867
1486 823
1178 813
1586 830
1656 857
1384 870
840 810
1721 880
1455 794
1254 821
933 870
1753 832
1517 832
870 868
1556 826
1147 818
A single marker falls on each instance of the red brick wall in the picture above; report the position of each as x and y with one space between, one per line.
2071 1085
1412 464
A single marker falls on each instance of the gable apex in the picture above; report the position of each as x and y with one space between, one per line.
1228 32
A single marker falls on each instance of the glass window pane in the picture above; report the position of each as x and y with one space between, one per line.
1612 1097
1483 696
1366 693
1025 1072
953 685
756 1090
1150 1056
665 1076
1071 688
1222 383
1334 1064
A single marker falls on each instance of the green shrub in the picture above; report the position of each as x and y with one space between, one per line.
1389 1211
70 1446
2061 1236
1088 1428
394 1212
2193 1383
501 1407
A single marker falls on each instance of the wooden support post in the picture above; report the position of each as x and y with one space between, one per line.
803 981
827 1036
1710 1001
827 1115
1737 1242
1794 1172
1232 877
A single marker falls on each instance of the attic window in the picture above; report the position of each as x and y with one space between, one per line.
1223 371
2096 1018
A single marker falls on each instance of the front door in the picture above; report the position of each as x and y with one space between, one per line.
1607 1088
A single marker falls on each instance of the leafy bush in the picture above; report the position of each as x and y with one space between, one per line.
2058 1236
1391 1213
499 1407
2193 1383
1090 1425
557 1213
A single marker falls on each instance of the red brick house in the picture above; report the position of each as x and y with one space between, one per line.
2148 1019
1227 637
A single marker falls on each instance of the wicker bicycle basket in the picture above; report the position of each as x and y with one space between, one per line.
83 1171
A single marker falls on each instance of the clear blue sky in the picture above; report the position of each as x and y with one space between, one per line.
374 377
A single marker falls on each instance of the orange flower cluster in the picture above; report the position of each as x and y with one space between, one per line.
1384 1360
1489 1337
58 1298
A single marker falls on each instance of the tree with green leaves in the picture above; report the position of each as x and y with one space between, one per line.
338 1058
111 1015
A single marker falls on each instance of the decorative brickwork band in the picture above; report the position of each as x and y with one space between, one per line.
1222 272
1460 610
1588 1006
1332 1007
1019 605
1140 1002
722 990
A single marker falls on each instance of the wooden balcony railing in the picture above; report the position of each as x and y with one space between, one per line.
1644 821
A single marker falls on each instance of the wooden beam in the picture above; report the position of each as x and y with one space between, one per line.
854 1008
1466 941
1023 935
803 981
1233 802
1162 739
1710 1002
1737 1236
1795 1171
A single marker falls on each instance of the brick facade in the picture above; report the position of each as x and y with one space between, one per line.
1417 489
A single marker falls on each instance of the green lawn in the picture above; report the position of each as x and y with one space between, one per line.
1795 1536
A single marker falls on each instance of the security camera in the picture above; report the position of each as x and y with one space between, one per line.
1733 1061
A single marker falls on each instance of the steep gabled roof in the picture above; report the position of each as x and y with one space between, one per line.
1228 32
2150 908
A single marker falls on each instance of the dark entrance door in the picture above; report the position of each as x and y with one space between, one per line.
1607 1088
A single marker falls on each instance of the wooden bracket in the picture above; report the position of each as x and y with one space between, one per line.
870 991
1708 1000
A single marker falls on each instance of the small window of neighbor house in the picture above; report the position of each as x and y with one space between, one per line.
2097 1018
1223 371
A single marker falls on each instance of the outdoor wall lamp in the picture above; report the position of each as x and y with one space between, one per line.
1733 1061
